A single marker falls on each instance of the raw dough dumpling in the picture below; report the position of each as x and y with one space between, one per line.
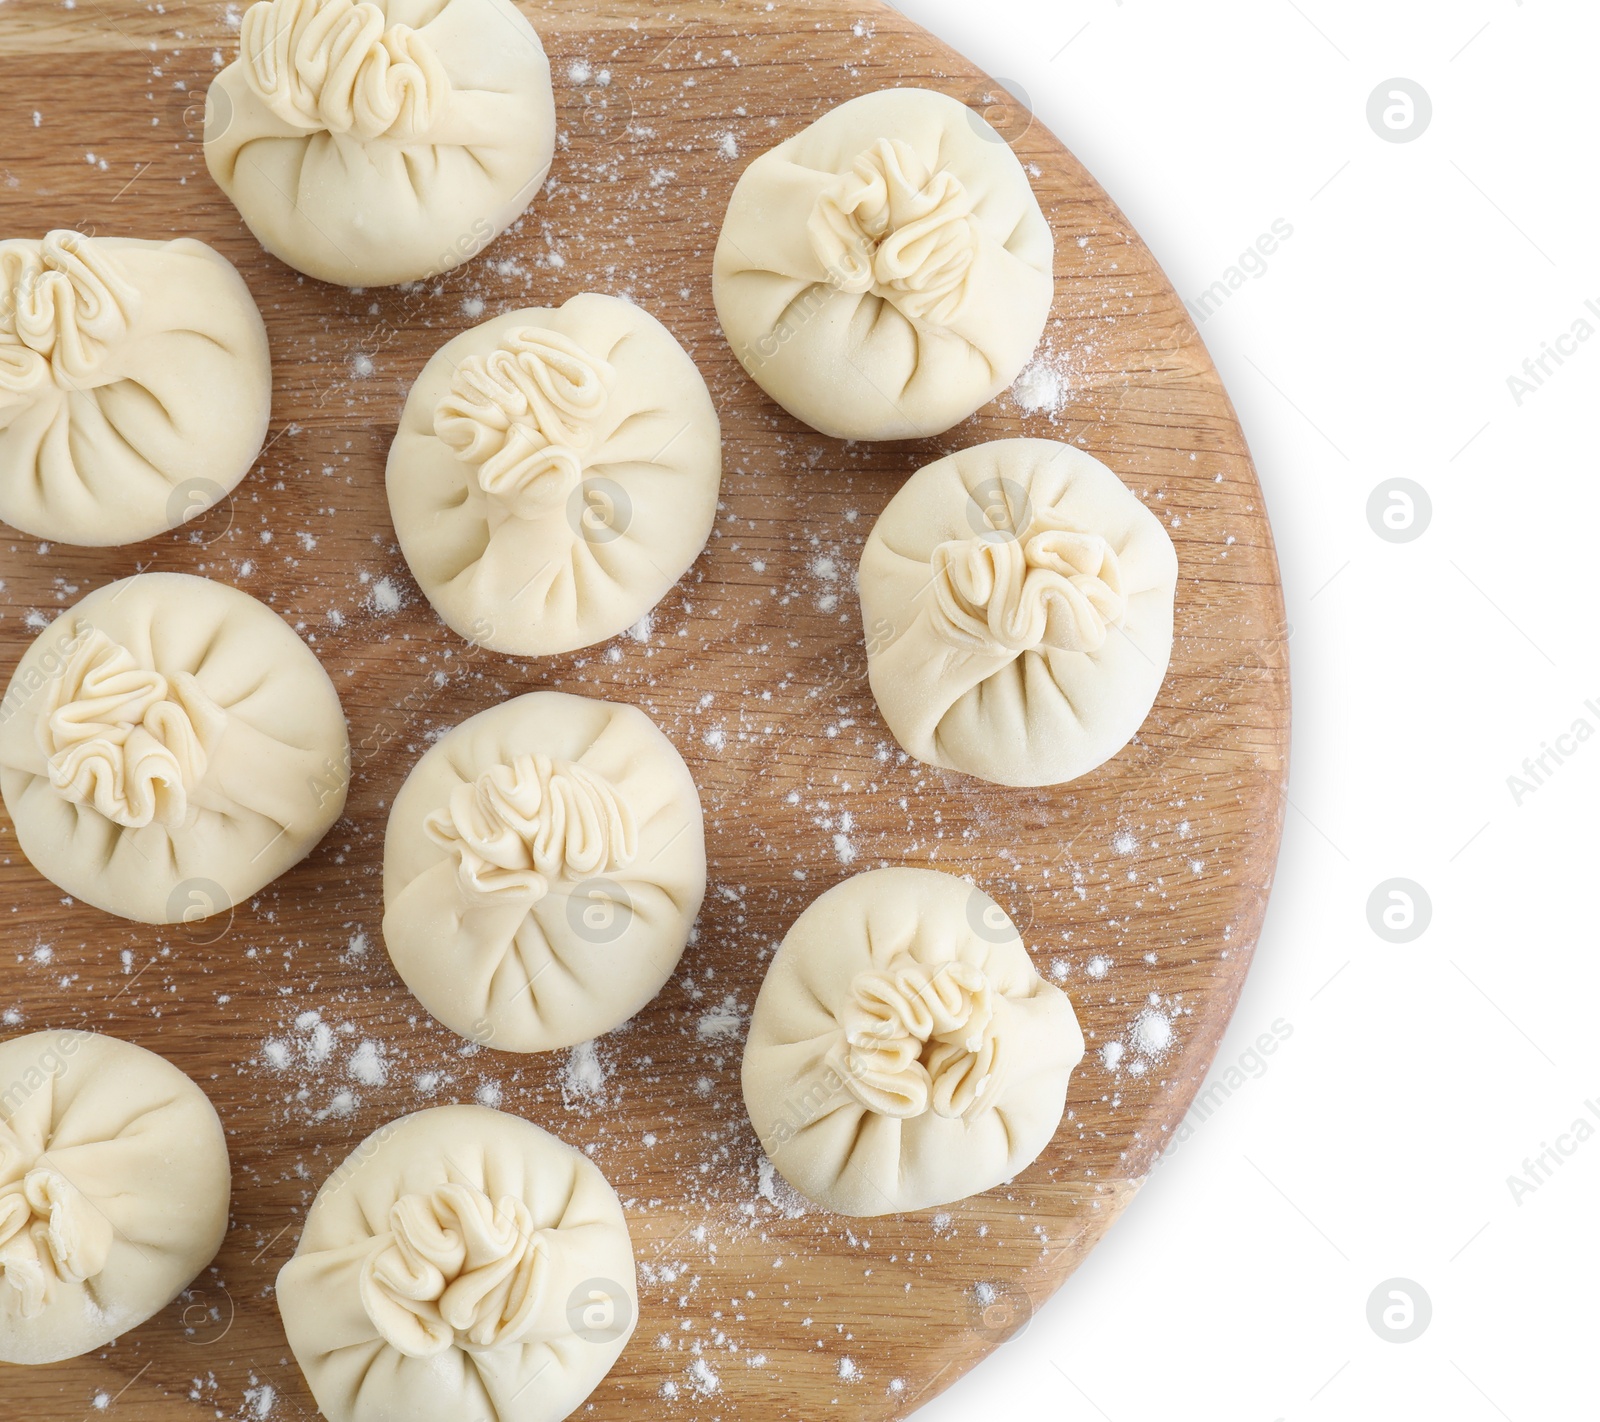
543 866
135 385
375 143
903 1052
555 473
1018 606
887 271
168 747
114 1186
461 1263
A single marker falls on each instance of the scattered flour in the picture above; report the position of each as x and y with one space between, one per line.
1041 389
366 1065
386 597
584 1076
721 1021
778 1192
704 1379
1152 1033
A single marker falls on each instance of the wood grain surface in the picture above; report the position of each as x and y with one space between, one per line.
1149 876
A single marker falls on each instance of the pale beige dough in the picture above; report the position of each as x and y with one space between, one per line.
1018 604
887 271
555 473
542 869
135 385
461 1263
114 1187
903 1053
368 144
168 747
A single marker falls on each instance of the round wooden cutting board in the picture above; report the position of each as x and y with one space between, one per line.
1140 888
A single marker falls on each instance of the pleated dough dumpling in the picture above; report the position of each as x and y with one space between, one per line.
555 473
168 747
461 1263
1018 604
135 385
373 143
887 271
543 866
903 1052
114 1186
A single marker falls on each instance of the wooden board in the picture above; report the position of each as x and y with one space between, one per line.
1147 877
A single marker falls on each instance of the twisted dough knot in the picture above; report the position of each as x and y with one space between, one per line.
335 65
920 1036
49 1233
131 743
526 414
894 227
61 305
518 827
1055 589
455 1269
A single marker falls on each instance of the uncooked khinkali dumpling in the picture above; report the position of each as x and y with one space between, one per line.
461 1264
168 747
114 1187
903 1052
887 271
1018 606
135 385
543 866
555 473
374 143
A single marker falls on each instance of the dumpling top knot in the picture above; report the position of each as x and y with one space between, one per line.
338 66
922 1036
61 302
527 414
894 227
49 1233
124 740
457 1268
523 825
1052 588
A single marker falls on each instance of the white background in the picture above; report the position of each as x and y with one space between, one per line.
1378 344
